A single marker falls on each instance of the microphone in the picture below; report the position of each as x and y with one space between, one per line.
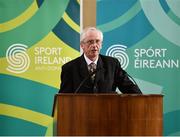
84 80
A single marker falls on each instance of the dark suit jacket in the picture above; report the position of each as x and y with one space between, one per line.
108 77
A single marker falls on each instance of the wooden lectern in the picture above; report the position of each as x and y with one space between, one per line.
108 115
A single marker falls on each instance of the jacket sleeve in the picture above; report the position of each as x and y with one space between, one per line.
66 81
123 81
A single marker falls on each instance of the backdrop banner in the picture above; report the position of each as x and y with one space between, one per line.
36 38
145 37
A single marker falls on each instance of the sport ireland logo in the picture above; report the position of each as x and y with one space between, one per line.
118 51
17 58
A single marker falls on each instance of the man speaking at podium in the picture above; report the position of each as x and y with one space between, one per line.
93 72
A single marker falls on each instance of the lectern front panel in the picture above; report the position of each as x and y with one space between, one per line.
109 114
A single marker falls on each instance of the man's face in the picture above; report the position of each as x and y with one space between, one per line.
91 45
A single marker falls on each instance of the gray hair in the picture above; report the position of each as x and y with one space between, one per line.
84 32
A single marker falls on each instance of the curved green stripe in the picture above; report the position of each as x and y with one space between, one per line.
35 29
16 127
10 9
122 19
64 34
73 10
25 114
27 94
174 5
174 17
71 23
160 21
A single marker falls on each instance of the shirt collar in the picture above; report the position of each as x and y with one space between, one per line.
88 61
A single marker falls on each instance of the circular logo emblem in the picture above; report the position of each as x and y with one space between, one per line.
17 58
118 51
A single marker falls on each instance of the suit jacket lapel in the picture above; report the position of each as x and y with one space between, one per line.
101 70
83 67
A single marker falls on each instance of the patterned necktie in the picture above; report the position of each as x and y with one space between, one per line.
92 68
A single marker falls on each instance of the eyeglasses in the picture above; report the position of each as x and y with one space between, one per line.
90 42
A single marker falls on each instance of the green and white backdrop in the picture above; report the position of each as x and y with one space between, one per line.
38 36
145 36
